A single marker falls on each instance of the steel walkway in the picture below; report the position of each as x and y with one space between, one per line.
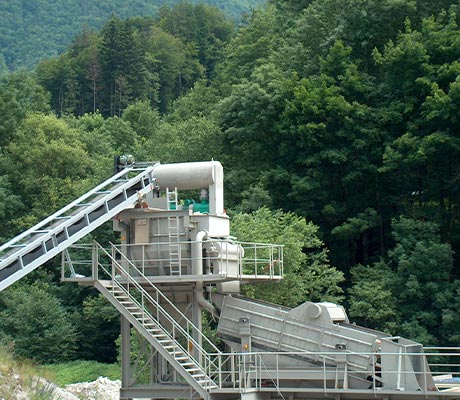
32 248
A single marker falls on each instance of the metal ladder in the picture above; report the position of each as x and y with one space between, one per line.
56 233
173 235
143 307
171 197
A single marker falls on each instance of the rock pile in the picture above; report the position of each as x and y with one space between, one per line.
101 388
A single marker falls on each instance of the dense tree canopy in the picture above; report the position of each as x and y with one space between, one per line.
136 59
38 325
53 24
411 290
307 273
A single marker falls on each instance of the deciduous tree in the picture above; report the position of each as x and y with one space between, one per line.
37 324
308 275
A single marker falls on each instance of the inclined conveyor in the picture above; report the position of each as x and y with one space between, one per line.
32 248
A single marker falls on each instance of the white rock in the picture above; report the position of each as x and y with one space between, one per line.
56 392
101 388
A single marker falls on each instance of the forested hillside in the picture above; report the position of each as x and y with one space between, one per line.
33 30
337 124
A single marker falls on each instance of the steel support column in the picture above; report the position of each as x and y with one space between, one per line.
125 355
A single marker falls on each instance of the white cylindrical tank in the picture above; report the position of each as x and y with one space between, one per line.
196 175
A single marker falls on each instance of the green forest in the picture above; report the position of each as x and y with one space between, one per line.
338 126
33 30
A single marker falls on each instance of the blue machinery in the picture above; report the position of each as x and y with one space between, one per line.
176 260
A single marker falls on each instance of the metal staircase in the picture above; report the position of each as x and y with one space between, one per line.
144 306
56 233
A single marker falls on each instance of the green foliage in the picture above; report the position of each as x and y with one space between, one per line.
124 74
138 59
409 291
203 28
194 139
356 225
251 47
3 66
249 116
99 326
424 267
312 137
10 205
199 101
143 119
254 198
290 6
54 24
120 133
98 142
37 324
352 131
448 330
423 158
372 302
19 94
55 166
175 64
308 275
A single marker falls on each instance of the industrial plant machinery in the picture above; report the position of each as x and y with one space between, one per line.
175 276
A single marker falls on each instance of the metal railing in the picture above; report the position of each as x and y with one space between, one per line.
32 248
268 371
76 262
262 259
222 259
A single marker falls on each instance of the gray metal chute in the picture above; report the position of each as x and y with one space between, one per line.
317 336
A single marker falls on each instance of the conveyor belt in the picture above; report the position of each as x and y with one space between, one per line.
54 234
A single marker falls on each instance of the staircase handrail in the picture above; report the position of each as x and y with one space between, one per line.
171 336
158 306
163 297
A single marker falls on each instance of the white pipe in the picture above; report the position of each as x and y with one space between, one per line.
197 269
195 175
